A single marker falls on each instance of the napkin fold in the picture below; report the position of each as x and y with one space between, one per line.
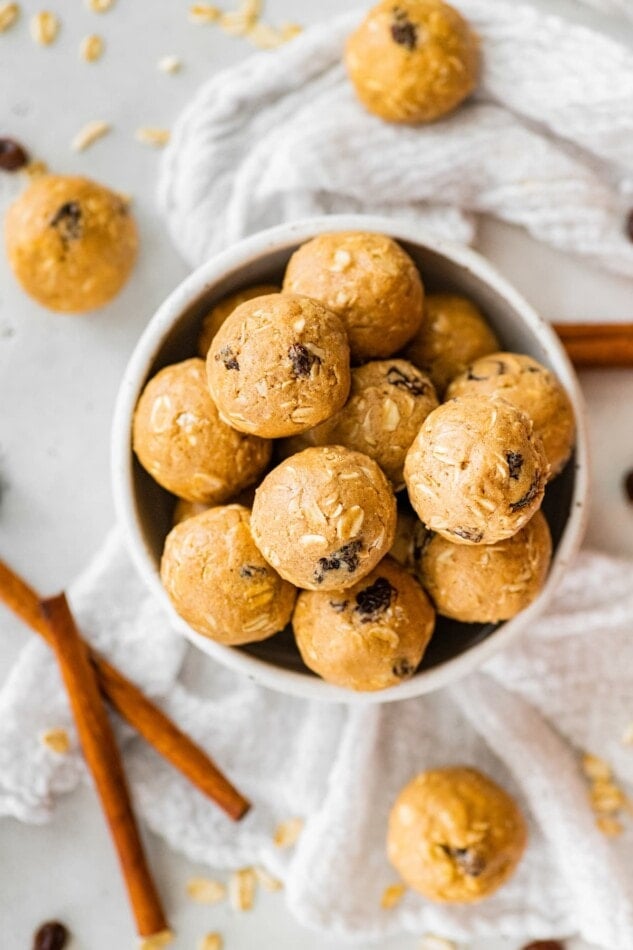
547 144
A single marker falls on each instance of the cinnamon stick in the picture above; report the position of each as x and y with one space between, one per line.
148 720
597 345
103 759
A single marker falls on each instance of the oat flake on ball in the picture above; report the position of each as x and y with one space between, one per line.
218 581
324 517
412 60
71 242
279 365
476 471
369 636
181 441
369 281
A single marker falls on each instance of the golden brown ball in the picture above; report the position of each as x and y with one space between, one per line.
224 308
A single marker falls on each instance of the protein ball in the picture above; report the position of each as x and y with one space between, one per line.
369 636
476 471
455 836
181 441
218 581
531 387
388 402
224 308
412 60
369 281
71 243
324 517
452 335
279 365
491 582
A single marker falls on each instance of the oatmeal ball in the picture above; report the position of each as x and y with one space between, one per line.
531 387
181 441
476 472
369 636
389 400
369 281
452 335
410 540
279 365
224 308
455 836
324 517
71 243
486 583
412 60
218 581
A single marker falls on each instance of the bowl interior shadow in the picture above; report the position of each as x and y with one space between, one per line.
155 506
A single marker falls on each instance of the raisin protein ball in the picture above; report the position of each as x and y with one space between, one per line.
224 308
487 583
412 60
71 243
181 441
369 281
218 581
389 400
531 387
279 365
369 636
324 517
476 472
452 335
455 835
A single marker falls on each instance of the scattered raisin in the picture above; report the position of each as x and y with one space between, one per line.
338 606
302 359
346 557
530 494
467 859
403 31
375 599
395 376
469 534
51 936
12 155
629 225
628 485
67 220
544 945
251 570
403 669
227 357
515 463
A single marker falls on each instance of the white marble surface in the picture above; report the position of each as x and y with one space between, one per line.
58 377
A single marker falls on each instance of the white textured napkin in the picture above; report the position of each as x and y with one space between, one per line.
549 145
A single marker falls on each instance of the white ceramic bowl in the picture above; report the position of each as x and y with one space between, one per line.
144 510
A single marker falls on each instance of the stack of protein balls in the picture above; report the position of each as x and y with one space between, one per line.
354 404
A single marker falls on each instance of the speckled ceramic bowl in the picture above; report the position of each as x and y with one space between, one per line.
144 510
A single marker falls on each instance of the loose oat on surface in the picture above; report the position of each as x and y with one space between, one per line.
627 735
205 890
392 895
242 889
287 832
204 13
169 64
100 6
44 27
91 48
596 768
89 134
9 13
57 740
212 941
609 826
433 942
267 880
152 135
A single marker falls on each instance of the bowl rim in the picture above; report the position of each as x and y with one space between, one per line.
201 280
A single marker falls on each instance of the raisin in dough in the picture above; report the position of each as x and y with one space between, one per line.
224 308
476 471
369 636
324 517
532 388
388 402
452 335
369 281
486 583
218 581
455 836
181 441
71 243
279 365
412 60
